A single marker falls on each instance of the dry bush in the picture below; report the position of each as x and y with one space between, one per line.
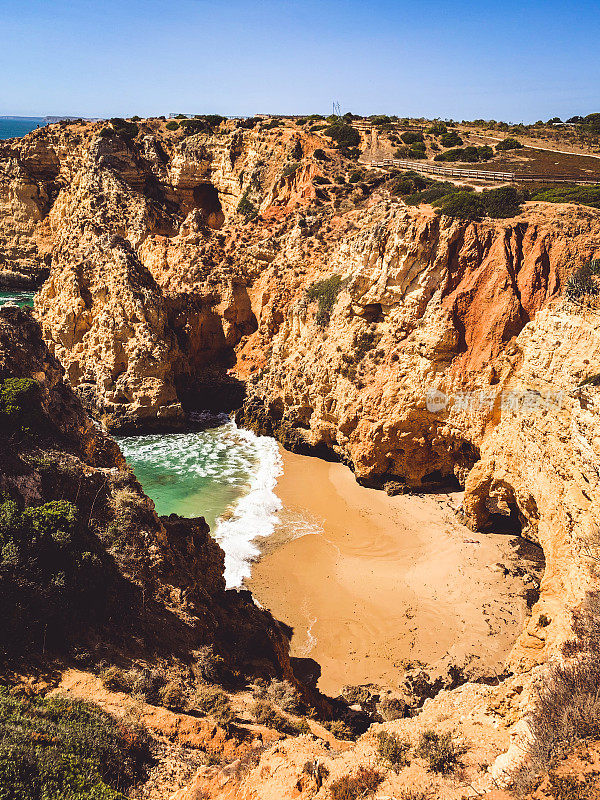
363 783
567 707
210 665
280 693
317 771
392 750
339 729
125 503
147 683
392 708
173 696
214 702
440 750
283 694
117 680
566 711
415 794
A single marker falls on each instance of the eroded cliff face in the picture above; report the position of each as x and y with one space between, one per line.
102 572
143 305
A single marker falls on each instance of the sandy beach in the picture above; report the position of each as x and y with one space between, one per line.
369 582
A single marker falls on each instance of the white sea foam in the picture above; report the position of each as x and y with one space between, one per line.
187 473
254 515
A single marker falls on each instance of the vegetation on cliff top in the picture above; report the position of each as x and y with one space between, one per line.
469 205
56 748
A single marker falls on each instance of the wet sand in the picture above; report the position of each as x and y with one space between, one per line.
371 582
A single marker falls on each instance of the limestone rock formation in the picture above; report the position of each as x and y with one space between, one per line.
101 570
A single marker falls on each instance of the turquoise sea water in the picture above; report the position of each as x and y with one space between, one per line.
18 126
225 474
18 297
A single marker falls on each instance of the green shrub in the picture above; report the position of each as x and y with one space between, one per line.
172 125
508 144
344 135
450 139
20 409
363 783
430 195
583 195
50 575
57 748
214 120
340 729
440 750
246 207
409 182
325 292
411 137
128 130
469 205
193 126
501 203
320 154
438 129
363 342
356 176
462 205
582 282
392 750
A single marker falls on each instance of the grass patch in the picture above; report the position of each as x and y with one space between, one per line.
325 292
57 748
246 207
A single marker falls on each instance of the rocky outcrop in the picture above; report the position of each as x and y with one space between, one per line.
101 571
144 305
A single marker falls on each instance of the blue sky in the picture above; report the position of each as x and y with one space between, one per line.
507 60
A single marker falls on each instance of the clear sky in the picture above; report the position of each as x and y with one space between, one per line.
517 60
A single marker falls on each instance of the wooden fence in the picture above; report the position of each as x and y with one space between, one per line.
481 174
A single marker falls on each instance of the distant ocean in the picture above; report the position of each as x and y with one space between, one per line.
18 126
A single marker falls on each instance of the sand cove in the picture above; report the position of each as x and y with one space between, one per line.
370 582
